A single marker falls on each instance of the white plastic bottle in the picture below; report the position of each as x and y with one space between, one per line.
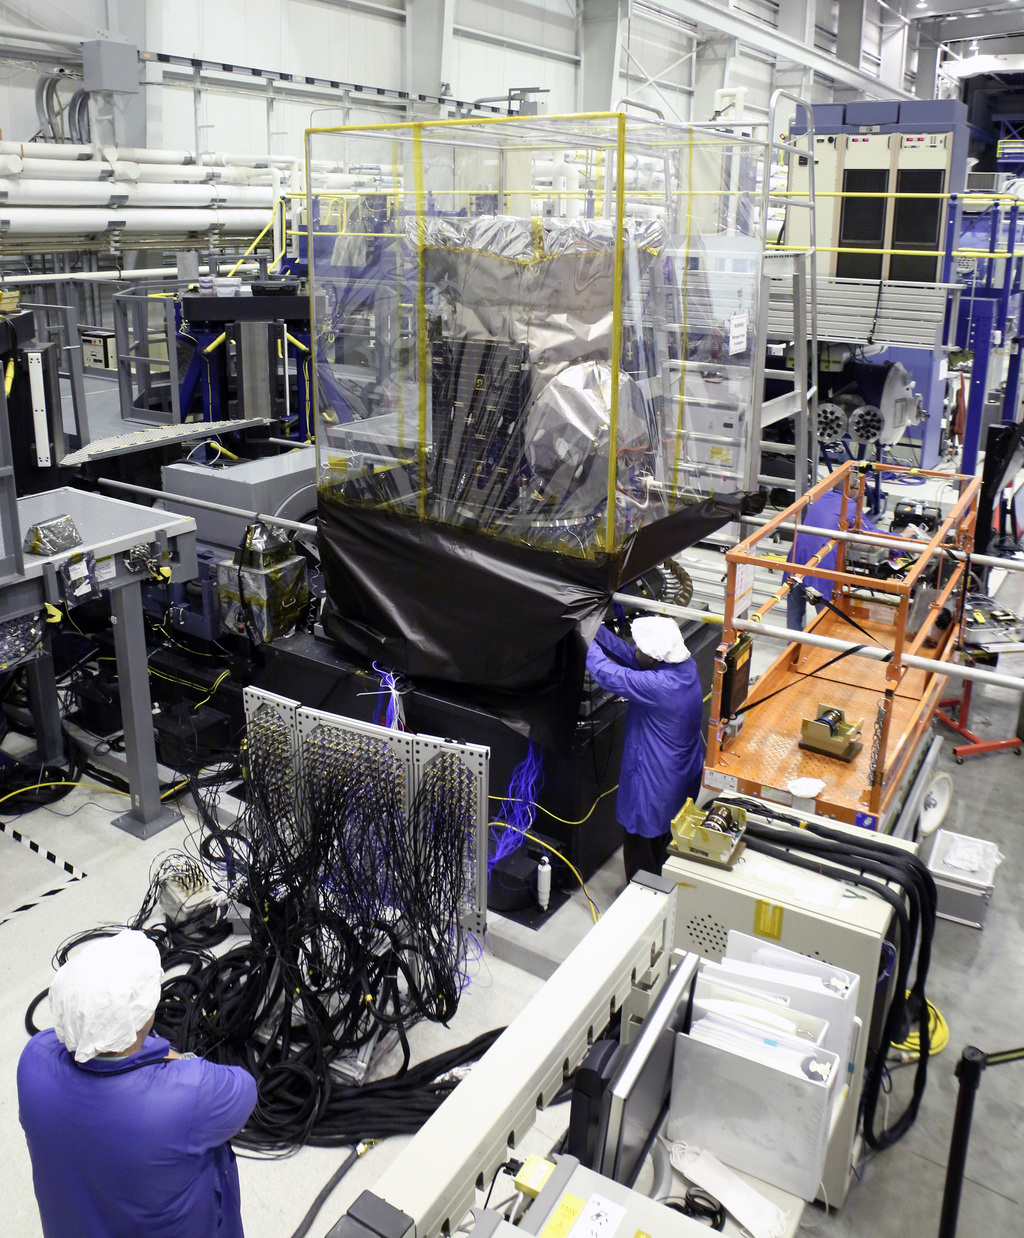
543 883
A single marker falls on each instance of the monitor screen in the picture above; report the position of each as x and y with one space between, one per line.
640 1092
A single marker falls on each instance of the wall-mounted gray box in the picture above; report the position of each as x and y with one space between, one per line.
111 66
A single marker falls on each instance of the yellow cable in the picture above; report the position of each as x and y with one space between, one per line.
938 1036
548 847
86 786
504 799
216 685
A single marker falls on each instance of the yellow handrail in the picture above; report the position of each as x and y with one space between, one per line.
269 225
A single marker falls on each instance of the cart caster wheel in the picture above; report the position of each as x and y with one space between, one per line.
960 760
1016 752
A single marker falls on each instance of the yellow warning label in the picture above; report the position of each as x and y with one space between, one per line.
721 455
768 919
563 1218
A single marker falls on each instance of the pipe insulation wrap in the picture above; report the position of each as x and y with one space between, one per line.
119 193
69 221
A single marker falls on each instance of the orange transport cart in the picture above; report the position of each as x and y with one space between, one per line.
896 703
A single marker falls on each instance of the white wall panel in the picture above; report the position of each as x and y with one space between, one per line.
481 70
328 39
656 48
546 23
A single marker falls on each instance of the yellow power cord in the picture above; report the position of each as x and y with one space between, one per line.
86 786
938 1036
505 799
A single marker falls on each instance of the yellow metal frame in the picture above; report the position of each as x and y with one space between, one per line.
416 130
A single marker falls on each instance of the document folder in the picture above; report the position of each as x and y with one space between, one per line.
761 1104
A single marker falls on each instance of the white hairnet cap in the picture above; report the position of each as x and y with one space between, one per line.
659 637
103 996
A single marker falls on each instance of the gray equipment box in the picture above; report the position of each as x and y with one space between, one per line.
264 485
964 869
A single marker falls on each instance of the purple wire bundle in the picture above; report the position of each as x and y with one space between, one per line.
519 808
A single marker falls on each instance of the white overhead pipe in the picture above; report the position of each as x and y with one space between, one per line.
141 154
26 34
71 221
115 193
122 170
61 169
46 150
211 159
118 276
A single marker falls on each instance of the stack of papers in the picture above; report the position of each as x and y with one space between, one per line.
770 1046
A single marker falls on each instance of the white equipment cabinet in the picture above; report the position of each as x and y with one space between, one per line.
815 915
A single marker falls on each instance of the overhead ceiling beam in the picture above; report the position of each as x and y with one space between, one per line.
737 26
978 27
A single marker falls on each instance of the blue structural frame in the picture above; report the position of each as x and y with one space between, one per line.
207 377
990 305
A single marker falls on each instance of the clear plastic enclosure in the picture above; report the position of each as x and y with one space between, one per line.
540 329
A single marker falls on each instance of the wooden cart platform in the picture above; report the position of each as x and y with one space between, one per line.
766 756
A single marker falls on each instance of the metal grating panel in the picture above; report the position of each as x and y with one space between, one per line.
863 311
477 760
416 753
400 742
155 436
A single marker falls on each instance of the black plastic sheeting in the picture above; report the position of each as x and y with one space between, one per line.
502 626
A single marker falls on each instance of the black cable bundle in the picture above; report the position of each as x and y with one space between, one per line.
355 898
876 866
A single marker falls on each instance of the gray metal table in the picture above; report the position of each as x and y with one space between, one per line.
108 528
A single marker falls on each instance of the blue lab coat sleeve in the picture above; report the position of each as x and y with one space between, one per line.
645 687
622 651
663 750
225 1096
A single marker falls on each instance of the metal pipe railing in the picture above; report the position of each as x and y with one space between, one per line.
185 501
873 653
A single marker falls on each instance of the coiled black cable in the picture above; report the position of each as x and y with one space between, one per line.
874 865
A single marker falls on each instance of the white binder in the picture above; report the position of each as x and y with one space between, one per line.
725 997
800 982
761 1104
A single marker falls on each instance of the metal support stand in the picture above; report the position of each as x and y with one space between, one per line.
968 1071
45 708
983 315
148 815
977 746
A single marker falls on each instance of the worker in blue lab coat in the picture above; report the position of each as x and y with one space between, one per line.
823 513
127 1137
663 755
